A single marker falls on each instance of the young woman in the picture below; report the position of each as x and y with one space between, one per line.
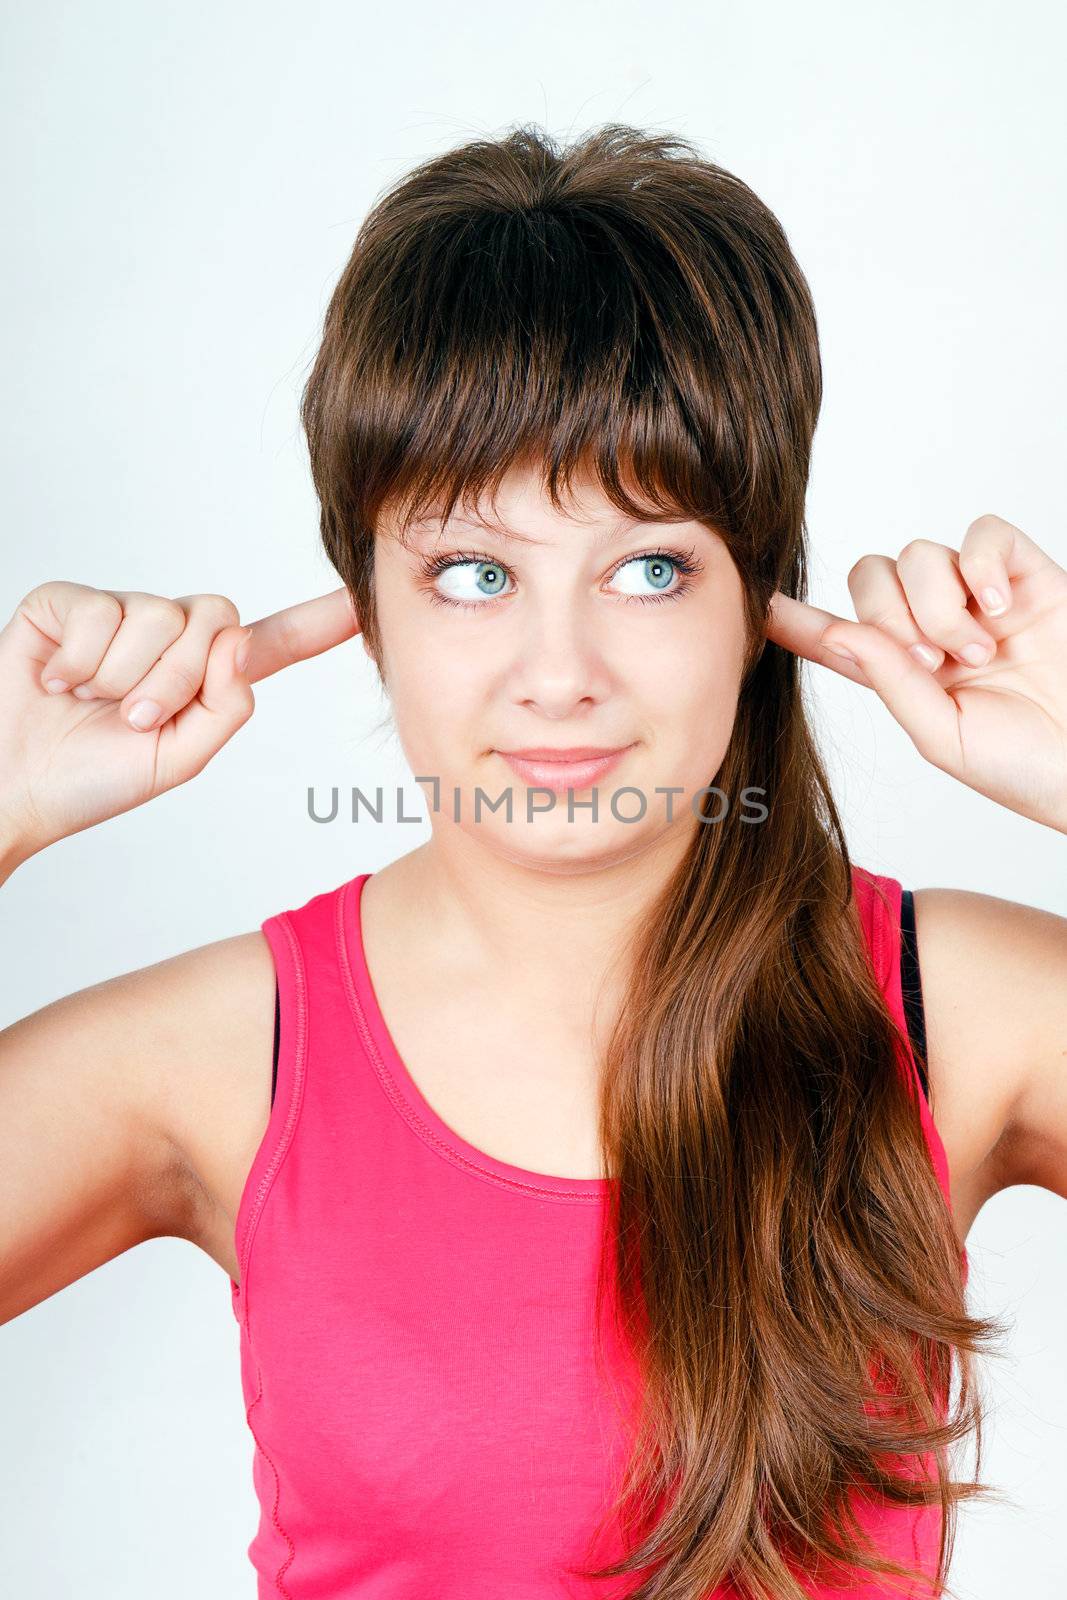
593 1203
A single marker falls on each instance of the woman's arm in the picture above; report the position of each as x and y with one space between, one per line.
994 977
123 1108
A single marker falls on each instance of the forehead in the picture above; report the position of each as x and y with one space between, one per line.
519 510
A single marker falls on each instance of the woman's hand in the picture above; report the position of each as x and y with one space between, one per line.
1000 725
77 664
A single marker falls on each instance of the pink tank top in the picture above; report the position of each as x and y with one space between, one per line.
416 1332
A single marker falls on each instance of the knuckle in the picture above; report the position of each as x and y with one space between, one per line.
986 523
44 591
97 603
916 547
218 607
157 608
39 592
857 568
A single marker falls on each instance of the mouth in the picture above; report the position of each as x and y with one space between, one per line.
559 770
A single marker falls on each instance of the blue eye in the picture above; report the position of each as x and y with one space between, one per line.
471 580
656 570
488 578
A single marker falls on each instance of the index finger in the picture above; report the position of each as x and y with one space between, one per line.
799 627
298 632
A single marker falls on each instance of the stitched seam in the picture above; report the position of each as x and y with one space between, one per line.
296 1100
278 1584
880 929
401 1104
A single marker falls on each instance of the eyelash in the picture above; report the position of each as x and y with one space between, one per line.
431 567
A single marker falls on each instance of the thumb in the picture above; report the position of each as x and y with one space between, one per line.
926 712
224 703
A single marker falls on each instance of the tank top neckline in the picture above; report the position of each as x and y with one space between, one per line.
410 1102
405 1094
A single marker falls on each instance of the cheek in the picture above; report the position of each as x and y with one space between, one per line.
437 702
691 698
695 666
701 721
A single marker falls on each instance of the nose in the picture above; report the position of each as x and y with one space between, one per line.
560 666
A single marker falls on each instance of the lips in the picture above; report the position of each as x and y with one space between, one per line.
577 752
578 767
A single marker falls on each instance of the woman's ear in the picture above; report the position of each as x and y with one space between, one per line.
375 661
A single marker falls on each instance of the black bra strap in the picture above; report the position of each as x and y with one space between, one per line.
911 986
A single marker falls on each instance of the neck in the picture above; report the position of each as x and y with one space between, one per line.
561 929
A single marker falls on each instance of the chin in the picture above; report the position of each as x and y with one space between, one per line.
569 851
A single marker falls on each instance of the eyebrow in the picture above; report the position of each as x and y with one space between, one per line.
509 536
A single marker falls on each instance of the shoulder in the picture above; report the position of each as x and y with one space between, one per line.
207 1017
994 987
126 1109
150 1041
191 1039
212 1013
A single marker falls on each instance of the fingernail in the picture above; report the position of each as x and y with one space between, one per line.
56 685
144 713
241 654
976 655
992 601
924 654
839 650
83 692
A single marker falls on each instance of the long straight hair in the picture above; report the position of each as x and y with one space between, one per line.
777 1248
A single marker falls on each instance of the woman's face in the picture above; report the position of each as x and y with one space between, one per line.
556 629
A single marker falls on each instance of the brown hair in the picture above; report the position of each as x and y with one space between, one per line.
778 1249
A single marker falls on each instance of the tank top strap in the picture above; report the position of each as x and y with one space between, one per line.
307 944
878 902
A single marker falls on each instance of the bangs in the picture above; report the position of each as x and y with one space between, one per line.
623 311
529 340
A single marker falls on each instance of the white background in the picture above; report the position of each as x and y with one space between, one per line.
182 187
